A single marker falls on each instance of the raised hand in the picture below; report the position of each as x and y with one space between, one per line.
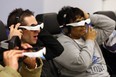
11 58
91 33
14 31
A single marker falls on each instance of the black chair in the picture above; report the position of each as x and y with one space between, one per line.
109 56
3 34
52 26
50 22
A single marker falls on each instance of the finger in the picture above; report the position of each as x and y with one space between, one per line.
16 47
26 45
20 30
19 33
18 55
11 27
89 28
17 25
11 53
17 52
92 29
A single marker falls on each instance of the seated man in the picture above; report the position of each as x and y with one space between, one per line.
37 36
81 35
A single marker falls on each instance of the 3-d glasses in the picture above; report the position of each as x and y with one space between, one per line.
37 27
81 23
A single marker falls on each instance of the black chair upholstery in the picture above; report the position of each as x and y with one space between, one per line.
3 34
52 26
50 22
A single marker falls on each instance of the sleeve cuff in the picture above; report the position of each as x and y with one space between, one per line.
25 68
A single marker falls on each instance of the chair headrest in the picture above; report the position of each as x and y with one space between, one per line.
3 34
110 14
50 22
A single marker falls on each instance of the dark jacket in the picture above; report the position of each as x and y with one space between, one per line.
53 47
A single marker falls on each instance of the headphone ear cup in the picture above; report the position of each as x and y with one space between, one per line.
66 30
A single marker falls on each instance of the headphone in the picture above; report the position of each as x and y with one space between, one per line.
18 16
66 29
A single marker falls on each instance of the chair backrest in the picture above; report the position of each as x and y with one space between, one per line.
50 22
3 34
51 25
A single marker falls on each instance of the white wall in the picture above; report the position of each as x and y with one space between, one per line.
109 5
6 6
44 6
87 5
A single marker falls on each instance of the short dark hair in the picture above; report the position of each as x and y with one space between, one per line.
17 16
68 13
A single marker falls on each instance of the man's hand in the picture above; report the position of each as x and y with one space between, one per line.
11 58
14 31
